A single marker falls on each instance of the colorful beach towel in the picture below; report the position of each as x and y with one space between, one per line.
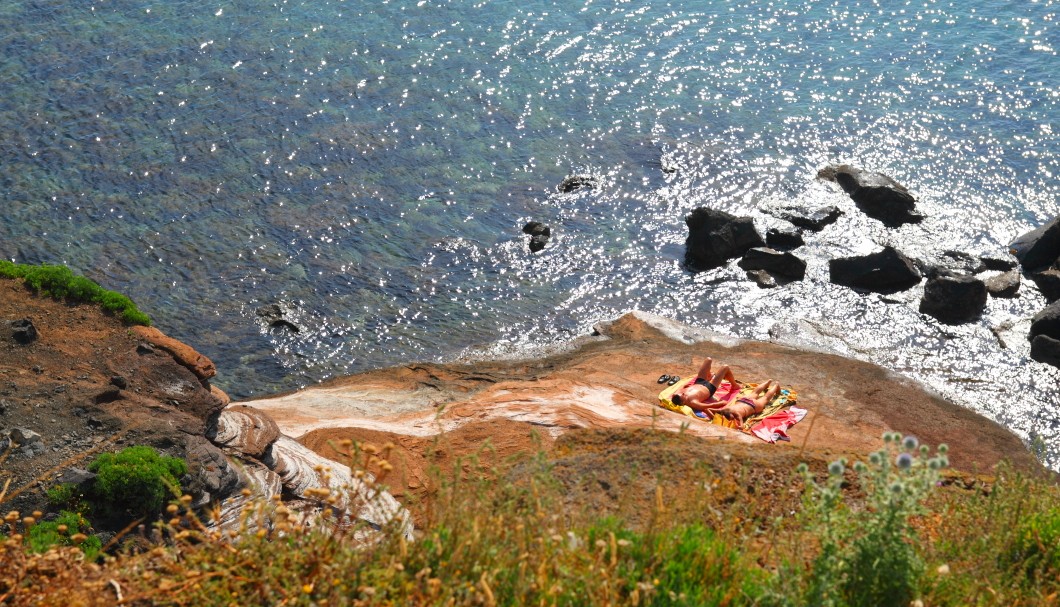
770 424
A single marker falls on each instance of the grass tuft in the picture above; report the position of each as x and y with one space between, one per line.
59 282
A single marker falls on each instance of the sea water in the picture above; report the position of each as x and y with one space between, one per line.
368 166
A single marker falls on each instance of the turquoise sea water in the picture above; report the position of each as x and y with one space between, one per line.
369 167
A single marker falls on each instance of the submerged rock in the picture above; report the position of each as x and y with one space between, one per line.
714 237
785 265
886 271
275 316
954 299
813 220
572 183
876 194
1040 247
951 263
762 278
539 235
1006 284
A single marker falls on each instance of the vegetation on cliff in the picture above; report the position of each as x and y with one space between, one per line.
893 529
60 283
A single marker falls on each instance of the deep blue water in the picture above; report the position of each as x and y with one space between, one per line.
369 166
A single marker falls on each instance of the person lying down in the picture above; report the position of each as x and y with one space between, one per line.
718 392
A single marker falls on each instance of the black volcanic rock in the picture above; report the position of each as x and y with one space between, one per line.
954 299
539 235
1045 349
572 183
1047 322
784 239
814 220
714 237
1048 282
876 194
23 331
784 265
886 271
1038 248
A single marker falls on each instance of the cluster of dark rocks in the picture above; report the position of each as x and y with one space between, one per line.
954 291
1038 252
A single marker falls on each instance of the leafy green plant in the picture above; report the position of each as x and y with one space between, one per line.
59 282
1036 550
61 532
135 482
868 555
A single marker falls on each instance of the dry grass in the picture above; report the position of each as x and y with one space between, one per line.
491 541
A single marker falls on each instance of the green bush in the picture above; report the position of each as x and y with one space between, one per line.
1036 550
59 282
135 482
43 536
868 556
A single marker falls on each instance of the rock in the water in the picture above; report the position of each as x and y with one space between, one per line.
714 237
886 271
1000 262
784 265
275 316
23 331
951 263
814 220
1047 322
1038 248
783 240
245 429
1045 349
539 235
1004 285
762 278
577 182
954 299
1048 282
876 194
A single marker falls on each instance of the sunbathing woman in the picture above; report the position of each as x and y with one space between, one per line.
749 403
699 393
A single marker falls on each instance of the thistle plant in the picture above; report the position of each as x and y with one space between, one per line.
867 554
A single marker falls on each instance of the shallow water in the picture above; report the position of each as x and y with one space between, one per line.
369 166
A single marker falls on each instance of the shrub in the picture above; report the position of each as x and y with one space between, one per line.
43 536
1036 549
60 283
135 482
868 556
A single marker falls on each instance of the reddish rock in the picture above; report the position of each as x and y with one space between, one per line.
202 367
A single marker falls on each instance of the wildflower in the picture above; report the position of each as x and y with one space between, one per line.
875 459
860 467
836 468
896 488
886 437
910 443
943 448
904 461
802 468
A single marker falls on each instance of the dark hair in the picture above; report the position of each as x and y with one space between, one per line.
675 399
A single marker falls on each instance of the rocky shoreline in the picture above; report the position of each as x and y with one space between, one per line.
85 383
